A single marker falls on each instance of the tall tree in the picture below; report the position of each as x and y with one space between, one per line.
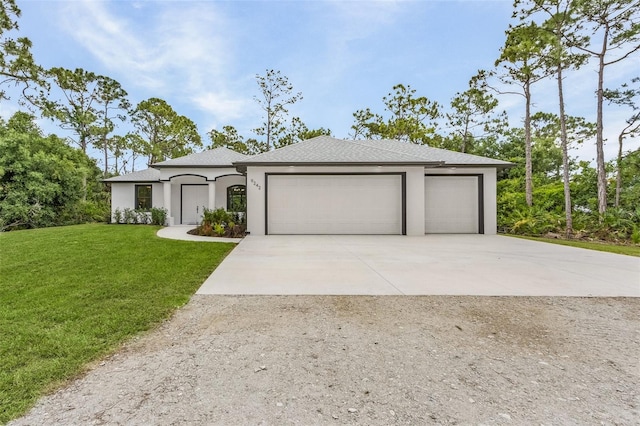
165 133
521 64
17 65
409 118
471 116
229 137
112 105
614 36
625 96
559 22
297 132
77 110
276 93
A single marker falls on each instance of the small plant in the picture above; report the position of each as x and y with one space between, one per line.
129 216
218 228
117 216
158 216
635 235
143 217
216 216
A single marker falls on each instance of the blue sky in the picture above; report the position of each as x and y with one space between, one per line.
202 57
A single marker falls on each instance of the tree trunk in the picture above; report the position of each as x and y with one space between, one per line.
528 178
565 157
618 171
106 156
602 175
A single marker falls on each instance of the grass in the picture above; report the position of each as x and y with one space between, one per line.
71 295
591 245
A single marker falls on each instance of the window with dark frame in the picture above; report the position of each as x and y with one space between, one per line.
143 197
237 198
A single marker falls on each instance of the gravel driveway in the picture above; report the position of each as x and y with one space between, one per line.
369 360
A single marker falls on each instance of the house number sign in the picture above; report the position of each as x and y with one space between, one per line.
256 184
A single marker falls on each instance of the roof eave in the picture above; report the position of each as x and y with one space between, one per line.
469 166
191 166
333 163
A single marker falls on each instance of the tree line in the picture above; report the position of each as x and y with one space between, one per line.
548 40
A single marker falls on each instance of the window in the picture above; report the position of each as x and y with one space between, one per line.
237 198
143 197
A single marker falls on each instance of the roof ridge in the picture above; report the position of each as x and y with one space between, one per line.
386 149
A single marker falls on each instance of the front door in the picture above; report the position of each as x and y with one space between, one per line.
194 199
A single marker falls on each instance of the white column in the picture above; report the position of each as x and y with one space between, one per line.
212 196
167 201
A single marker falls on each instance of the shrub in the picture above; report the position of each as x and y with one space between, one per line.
158 216
217 216
117 216
129 216
142 216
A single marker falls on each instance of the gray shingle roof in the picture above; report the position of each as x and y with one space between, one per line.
147 175
328 150
218 157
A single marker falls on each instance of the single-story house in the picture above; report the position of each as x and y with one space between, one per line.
326 185
184 186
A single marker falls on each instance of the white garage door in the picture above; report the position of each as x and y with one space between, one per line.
334 204
451 205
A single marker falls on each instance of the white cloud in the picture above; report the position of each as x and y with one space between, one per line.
223 106
178 50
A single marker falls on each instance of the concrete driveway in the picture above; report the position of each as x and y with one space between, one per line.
430 265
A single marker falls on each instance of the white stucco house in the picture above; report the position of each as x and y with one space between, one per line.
326 185
184 186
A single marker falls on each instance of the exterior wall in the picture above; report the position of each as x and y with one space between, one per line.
123 195
489 189
414 192
256 192
210 174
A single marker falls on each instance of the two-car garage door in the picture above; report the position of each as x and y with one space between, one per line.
335 204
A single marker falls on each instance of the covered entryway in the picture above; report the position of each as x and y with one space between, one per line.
194 199
453 204
335 203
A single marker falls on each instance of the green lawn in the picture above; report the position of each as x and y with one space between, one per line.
70 295
610 248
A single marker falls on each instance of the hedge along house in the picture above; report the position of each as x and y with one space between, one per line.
331 186
184 186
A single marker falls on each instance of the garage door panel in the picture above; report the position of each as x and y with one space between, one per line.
451 205
345 204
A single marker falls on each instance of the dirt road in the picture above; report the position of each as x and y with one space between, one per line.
369 360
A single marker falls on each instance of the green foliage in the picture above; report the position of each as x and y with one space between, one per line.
216 216
163 133
154 216
410 118
117 215
43 181
472 118
220 223
17 66
158 216
70 295
218 228
129 216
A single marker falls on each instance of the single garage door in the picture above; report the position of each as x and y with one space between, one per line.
452 204
335 204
